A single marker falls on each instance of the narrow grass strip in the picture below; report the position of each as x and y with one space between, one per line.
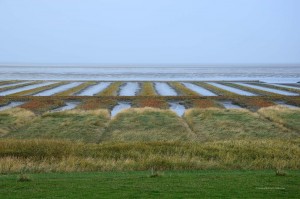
147 89
39 89
9 82
19 86
215 89
112 90
76 89
182 90
277 87
252 90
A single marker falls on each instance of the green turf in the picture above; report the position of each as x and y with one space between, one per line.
175 184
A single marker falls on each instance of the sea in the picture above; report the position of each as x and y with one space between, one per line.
269 74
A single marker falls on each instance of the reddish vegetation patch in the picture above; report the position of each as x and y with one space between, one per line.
256 102
151 102
204 103
96 103
42 105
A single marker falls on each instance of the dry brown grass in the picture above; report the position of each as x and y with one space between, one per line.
63 156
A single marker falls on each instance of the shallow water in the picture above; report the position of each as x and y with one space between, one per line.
229 105
14 84
11 105
177 108
283 74
16 90
282 103
269 89
198 89
164 89
119 107
129 89
231 89
69 106
58 89
95 89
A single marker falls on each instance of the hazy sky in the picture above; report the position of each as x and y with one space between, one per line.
149 31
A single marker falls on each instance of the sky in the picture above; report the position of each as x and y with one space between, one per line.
149 32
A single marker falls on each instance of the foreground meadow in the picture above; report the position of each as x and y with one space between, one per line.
149 151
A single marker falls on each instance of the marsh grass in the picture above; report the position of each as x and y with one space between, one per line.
254 103
215 89
40 106
150 102
294 90
182 90
111 90
204 103
79 125
147 89
8 82
224 124
147 124
39 89
76 89
251 90
98 103
64 156
18 86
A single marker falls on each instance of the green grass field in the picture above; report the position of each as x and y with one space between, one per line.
168 184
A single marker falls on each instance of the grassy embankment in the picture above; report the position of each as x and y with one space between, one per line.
217 124
111 90
39 89
289 118
251 90
147 124
86 126
18 86
76 89
192 184
182 90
